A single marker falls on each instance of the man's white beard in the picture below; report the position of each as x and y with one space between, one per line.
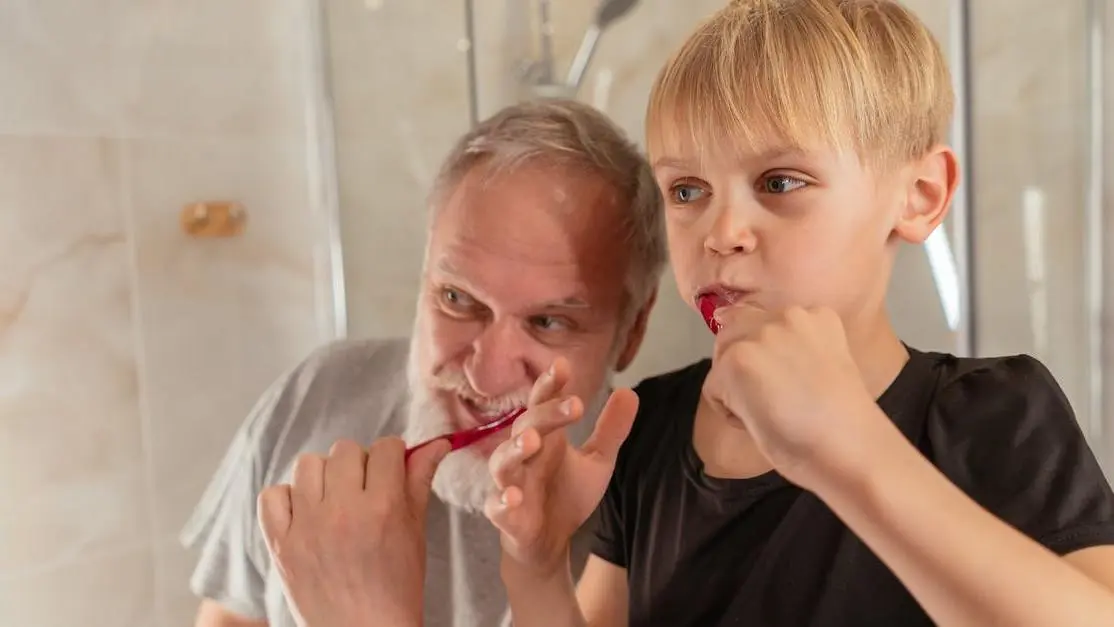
463 479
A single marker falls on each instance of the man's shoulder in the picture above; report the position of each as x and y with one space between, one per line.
347 389
347 358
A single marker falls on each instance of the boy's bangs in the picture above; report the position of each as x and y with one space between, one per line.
763 80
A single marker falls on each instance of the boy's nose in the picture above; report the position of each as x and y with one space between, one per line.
731 233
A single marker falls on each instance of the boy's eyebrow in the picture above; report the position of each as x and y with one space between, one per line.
671 162
770 154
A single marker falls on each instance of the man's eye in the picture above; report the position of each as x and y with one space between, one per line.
550 323
456 299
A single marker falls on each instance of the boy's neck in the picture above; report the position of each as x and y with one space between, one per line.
726 448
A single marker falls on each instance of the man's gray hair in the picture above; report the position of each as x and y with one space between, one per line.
572 134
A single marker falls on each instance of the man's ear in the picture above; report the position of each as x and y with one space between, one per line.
932 183
637 333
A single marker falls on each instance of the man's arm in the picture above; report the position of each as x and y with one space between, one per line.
600 599
223 528
212 614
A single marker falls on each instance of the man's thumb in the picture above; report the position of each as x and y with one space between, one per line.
420 468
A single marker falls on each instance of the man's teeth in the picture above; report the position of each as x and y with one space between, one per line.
490 410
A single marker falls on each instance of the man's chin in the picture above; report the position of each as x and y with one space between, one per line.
486 446
463 480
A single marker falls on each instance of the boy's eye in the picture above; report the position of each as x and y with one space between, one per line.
781 184
684 194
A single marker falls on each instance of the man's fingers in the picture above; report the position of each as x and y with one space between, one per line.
613 425
420 469
550 383
386 465
308 484
506 462
273 509
344 470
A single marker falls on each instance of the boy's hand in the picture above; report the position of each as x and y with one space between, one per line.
790 378
547 488
348 536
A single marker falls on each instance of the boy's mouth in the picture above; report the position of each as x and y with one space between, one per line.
714 297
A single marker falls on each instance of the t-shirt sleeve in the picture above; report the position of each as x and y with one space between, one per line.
1006 434
233 562
609 539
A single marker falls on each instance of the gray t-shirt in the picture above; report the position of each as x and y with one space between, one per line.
348 390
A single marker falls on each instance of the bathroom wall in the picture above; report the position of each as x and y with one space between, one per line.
1029 158
129 352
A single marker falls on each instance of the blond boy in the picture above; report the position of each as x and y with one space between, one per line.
816 471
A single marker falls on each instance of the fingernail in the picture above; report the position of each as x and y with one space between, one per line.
503 498
552 370
518 442
566 407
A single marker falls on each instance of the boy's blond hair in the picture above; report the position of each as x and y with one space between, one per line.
864 75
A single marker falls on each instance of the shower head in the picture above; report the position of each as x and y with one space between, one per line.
607 12
610 10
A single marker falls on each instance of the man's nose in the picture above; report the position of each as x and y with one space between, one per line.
499 363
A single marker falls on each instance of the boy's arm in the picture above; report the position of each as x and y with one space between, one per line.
1095 562
964 565
599 600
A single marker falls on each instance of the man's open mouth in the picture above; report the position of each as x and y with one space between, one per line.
484 413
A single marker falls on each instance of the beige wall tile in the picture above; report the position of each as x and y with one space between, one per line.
71 457
113 590
220 318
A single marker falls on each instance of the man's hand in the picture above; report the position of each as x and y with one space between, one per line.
547 488
348 537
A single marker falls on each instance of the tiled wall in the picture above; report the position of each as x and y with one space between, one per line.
129 352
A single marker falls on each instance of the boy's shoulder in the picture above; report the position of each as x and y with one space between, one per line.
983 387
671 384
666 407
1006 370
1003 431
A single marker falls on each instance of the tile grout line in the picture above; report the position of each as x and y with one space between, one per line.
127 205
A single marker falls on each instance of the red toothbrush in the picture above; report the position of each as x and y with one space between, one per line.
461 439
708 305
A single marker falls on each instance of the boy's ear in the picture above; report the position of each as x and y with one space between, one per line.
932 183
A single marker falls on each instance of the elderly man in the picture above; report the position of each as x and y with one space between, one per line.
546 242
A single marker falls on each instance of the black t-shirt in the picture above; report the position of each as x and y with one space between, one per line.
761 552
